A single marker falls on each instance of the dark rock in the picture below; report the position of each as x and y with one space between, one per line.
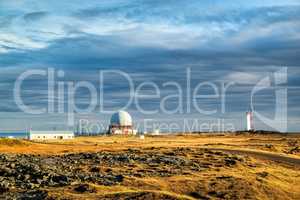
262 174
294 150
4 186
224 177
119 178
4 171
229 162
35 194
95 169
59 180
196 195
84 188
269 146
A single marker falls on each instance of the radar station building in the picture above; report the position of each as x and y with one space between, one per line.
121 124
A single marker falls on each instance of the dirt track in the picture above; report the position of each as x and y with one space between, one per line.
263 155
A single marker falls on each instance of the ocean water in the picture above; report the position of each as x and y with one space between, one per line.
19 135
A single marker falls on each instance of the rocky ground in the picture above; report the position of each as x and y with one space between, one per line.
31 176
131 169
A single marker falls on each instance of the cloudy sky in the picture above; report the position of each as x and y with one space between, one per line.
151 41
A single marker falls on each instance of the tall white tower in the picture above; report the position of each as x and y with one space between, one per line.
249 117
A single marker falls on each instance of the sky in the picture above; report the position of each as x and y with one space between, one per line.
150 41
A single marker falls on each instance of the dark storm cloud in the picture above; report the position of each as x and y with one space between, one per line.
152 41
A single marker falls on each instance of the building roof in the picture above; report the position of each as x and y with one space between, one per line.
52 132
121 118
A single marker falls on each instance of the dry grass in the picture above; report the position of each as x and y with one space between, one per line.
252 178
12 142
277 143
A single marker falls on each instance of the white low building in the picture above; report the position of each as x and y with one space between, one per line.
156 132
51 135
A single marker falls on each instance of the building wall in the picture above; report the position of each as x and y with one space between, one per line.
51 135
121 130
